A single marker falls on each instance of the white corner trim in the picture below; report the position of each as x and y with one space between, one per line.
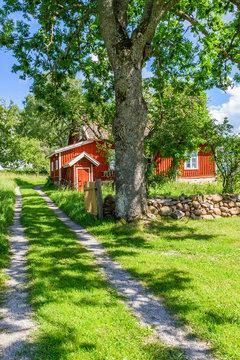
60 167
74 182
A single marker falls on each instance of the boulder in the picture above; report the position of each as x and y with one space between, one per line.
109 206
224 209
231 204
198 212
179 206
153 210
178 214
205 205
207 217
186 207
224 214
216 198
187 213
196 204
165 211
217 211
234 211
186 201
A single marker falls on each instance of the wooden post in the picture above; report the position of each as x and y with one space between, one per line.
90 201
98 183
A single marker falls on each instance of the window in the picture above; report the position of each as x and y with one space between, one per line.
192 162
111 159
52 166
56 164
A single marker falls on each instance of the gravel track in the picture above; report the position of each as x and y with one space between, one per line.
16 324
144 304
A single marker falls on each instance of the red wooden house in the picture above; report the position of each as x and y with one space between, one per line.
82 160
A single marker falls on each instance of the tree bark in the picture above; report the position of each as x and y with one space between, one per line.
127 54
128 130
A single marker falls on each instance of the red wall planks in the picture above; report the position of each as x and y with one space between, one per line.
206 167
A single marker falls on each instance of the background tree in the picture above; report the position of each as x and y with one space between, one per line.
17 151
225 147
9 141
68 32
177 117
50 119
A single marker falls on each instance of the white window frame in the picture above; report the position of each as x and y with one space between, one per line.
195 155
56 165
52 168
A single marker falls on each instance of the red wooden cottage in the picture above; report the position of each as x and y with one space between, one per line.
83 160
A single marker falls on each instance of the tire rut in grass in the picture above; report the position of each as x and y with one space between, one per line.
145 305
16 323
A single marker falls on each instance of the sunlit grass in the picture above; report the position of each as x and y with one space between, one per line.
79 315
173 188
7 200
193 265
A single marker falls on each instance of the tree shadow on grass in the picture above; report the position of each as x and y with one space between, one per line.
67 290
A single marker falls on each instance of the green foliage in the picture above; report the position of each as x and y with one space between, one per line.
188 263
195 40
7 200
178 116
50 119
177 188
226 152
9 141
79 315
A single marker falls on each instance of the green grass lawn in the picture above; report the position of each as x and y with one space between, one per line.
80 317
193 265
174 188
7 201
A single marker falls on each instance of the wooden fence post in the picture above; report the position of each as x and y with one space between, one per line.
98 183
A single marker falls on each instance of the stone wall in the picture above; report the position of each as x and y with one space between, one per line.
195 206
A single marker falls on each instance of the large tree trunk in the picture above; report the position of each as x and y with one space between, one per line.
127 53
128 129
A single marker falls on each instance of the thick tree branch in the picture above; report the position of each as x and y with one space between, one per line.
236 2
109 27
120 10
153 12
205 32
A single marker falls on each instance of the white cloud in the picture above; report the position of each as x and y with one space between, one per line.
231 109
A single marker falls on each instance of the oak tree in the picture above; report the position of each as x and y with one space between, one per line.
196 39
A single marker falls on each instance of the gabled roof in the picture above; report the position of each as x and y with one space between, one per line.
79 157
65 148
